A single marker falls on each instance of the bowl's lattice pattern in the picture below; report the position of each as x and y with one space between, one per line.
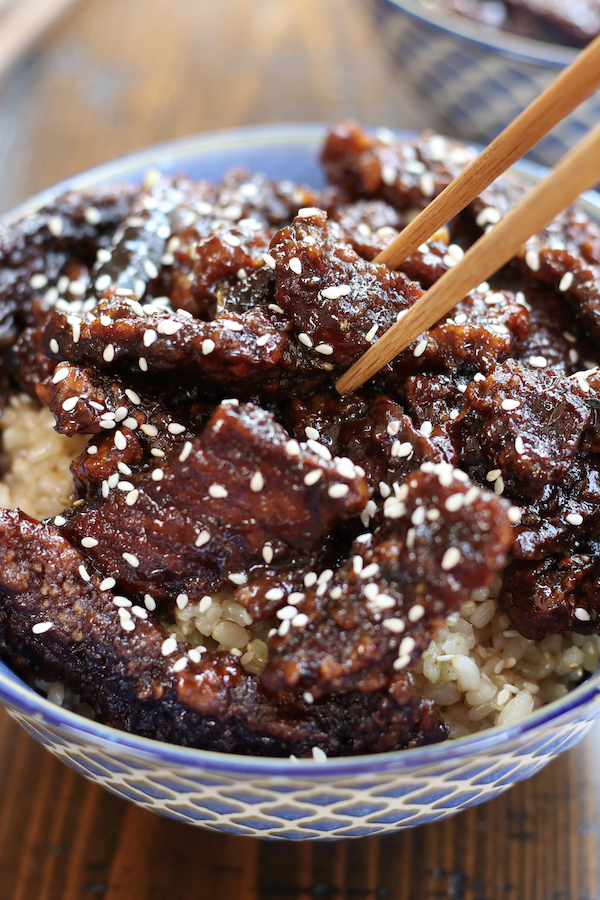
471 90
307 805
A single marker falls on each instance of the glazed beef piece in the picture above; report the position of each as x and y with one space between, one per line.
248 352
35 250
207 510
375 615
556 594
573 24
58 620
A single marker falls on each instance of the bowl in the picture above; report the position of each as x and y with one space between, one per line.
284 798
473 79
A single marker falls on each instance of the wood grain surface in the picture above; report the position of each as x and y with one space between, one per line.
113 76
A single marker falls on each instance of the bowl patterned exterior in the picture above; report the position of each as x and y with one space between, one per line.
474 79
282 798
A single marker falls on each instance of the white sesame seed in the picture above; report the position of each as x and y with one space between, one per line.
208 346
426 429
532 260
457 254
300 620
312 477
109 353
407 645
514 515
509 405
217 491
573 355
307 212
54 345
337 491
389 174
84 573
499 485
292 448
402 662
319 449
180 665
257 482
128 625
131 559
238 578
324 349
150 430
175 428
427 184
157 475
295 265
55 226
345 467
89 542
416 613
187 449
195 654
70 403
60 375
113 480
284 628
450 558
107 584
169 646
566 281
102 282
263 340
538 362
493 474
574 519
150 336
335 292
121 602
519 445
396 626
267 554
59 520
202 539
42 627
269 261
319 754
582 614
149 602
297 597
304 339
370 571
132 496
310 579
420 348
454 502
311 433
120 440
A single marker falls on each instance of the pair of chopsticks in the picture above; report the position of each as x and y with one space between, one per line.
22 24
577 171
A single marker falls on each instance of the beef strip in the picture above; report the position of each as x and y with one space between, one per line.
376 613
138 680
207 511
248 352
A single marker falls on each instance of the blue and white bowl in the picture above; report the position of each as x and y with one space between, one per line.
474 79
281 798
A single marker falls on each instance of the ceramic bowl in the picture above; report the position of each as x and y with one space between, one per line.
281 798
473 79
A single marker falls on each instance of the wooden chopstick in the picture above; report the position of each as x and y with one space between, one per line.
23 23
577 171
561 97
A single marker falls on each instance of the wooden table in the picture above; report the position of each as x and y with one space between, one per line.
112 76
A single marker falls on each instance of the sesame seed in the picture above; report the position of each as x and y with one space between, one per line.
427 184
142 364
102 282
319 449
217 491
267 554
42 627
582 614
450 558
573 355
514 515
416 613
195 654
257 482
128 625
132 496
407 645
59 520
371 333
335 292
150 336
150 430
131 559
538 362
532 260
310 579
519 445
297 597
84 573
499 485
292 448
263 340
311 433
182 601
187 449
202 539
388 174
275 308
324 349
157 475
89 542
169 646
120 440
55 226
337 491
420 348
70 403
238 578
304 339
574 519
107 584
493 474
109 353
295 265
566 281
396 626
149 602
509 405
113 480
54 345
121 602
208 346
308 211
269 261
370 571
345 467
454 502
426 429
402 662
284 628
312 477
300 620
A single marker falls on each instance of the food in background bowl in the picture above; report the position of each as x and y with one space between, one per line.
571 24
253 564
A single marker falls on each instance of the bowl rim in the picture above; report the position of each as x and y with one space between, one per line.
21 698
486 37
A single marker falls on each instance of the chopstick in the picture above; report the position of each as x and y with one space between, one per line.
577 171
23 23
561 97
